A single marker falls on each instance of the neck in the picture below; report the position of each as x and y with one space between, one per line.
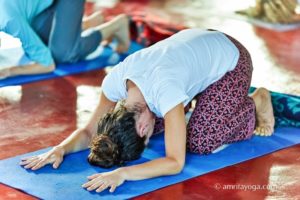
135 96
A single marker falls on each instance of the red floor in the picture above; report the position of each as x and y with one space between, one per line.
41 114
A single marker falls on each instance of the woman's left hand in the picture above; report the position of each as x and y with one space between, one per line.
102 181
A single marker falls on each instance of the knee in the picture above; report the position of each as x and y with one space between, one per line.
59 58
64 56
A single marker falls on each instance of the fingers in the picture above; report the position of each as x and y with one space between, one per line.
102 187
93 176
31 164
40 164
112 188
98 184
95 183
91 182
57 162
28 158
54 156
25 161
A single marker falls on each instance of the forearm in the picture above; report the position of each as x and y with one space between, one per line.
34 68
77 141
81 138
175 142
154 168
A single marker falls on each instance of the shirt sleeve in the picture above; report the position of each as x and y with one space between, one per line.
33 46
113 86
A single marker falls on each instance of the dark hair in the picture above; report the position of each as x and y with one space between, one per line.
117 140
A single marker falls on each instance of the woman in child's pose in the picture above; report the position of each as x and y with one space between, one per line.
159 82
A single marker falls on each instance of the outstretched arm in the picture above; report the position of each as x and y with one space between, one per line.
78 140
29 69
81 138
172 163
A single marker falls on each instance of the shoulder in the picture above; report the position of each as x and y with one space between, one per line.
113 84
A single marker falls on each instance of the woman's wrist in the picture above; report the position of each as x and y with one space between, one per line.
123 172
60 148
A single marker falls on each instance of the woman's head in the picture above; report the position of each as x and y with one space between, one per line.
117 138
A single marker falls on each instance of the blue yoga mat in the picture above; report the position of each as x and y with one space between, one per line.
65 182
104 56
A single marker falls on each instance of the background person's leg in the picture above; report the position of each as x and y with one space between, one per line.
42 23
224 113
66 42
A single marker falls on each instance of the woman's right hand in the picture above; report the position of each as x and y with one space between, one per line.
54 156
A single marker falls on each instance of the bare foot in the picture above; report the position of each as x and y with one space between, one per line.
92 20
4 73
122 34
264 112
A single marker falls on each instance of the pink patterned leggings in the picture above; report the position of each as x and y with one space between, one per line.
224 113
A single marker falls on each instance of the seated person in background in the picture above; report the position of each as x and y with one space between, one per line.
52 32
160 81
274 11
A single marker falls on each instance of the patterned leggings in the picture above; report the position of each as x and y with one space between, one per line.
224 113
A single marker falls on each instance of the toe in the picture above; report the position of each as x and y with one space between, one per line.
270 131
260 131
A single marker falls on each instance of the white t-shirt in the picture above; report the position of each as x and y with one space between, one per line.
174 70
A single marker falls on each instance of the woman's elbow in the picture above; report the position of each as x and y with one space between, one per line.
177 167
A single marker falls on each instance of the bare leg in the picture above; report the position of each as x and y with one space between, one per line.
25 70
117 28
92 20
4 73
264 112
